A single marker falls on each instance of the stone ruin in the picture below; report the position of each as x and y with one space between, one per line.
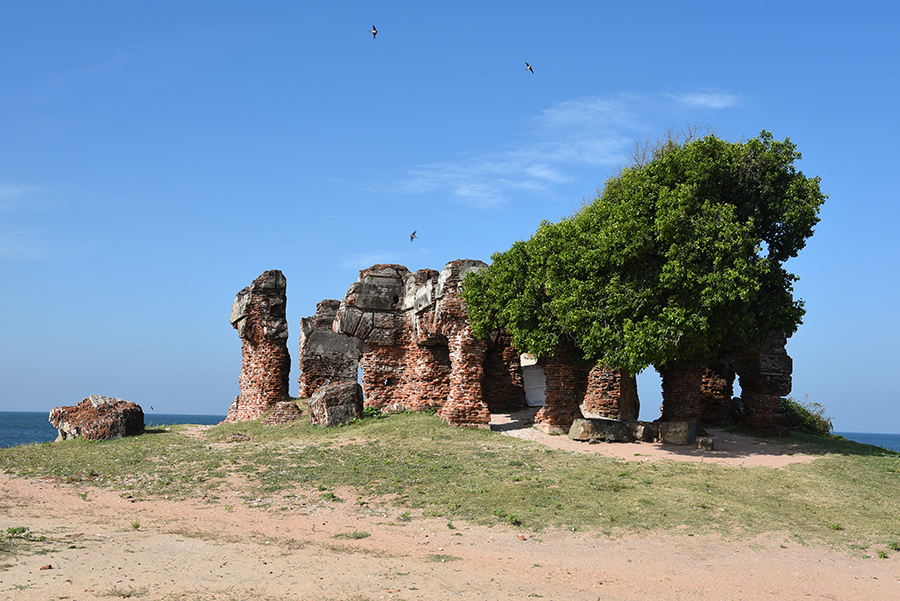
405 335
258 315
98 418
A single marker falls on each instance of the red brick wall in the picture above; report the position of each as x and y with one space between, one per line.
566 386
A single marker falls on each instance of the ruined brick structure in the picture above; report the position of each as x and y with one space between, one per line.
703 393
765 377
408 334
411 336
258 315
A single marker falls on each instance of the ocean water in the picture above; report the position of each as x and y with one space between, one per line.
885 441
24 427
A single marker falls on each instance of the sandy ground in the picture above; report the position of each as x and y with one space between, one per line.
230 550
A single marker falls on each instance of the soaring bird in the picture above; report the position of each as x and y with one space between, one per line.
374 32
413 236
528 67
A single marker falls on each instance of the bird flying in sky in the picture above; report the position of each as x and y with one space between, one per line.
413 236
528 67
374 32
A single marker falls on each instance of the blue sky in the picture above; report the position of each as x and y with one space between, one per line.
156 157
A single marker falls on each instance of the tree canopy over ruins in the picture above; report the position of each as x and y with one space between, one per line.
679 259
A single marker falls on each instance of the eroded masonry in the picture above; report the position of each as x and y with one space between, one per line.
405 335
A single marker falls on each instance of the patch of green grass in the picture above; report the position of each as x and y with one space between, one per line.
441 557
416 462
125 593
355 535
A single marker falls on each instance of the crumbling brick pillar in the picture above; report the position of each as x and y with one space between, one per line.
258 315
611 393
326 356
566 385
465 405
681 392
765 377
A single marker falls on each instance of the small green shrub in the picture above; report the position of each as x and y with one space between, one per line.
372 412
18 532
808 417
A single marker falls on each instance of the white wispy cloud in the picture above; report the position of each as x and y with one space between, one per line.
562 140
714 99
16 243
14 196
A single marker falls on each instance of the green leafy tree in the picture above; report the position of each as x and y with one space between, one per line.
678 259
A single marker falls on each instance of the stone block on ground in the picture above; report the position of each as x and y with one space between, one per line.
643 431
705 443
678 432
594 430
98 418
336 404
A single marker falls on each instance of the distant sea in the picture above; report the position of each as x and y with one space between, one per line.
24 427
885 441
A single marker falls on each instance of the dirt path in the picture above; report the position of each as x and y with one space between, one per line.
106 546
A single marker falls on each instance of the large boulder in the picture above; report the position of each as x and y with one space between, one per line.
98 418
594 430
336 404
677 432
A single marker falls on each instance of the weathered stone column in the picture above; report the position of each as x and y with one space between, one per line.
258 314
